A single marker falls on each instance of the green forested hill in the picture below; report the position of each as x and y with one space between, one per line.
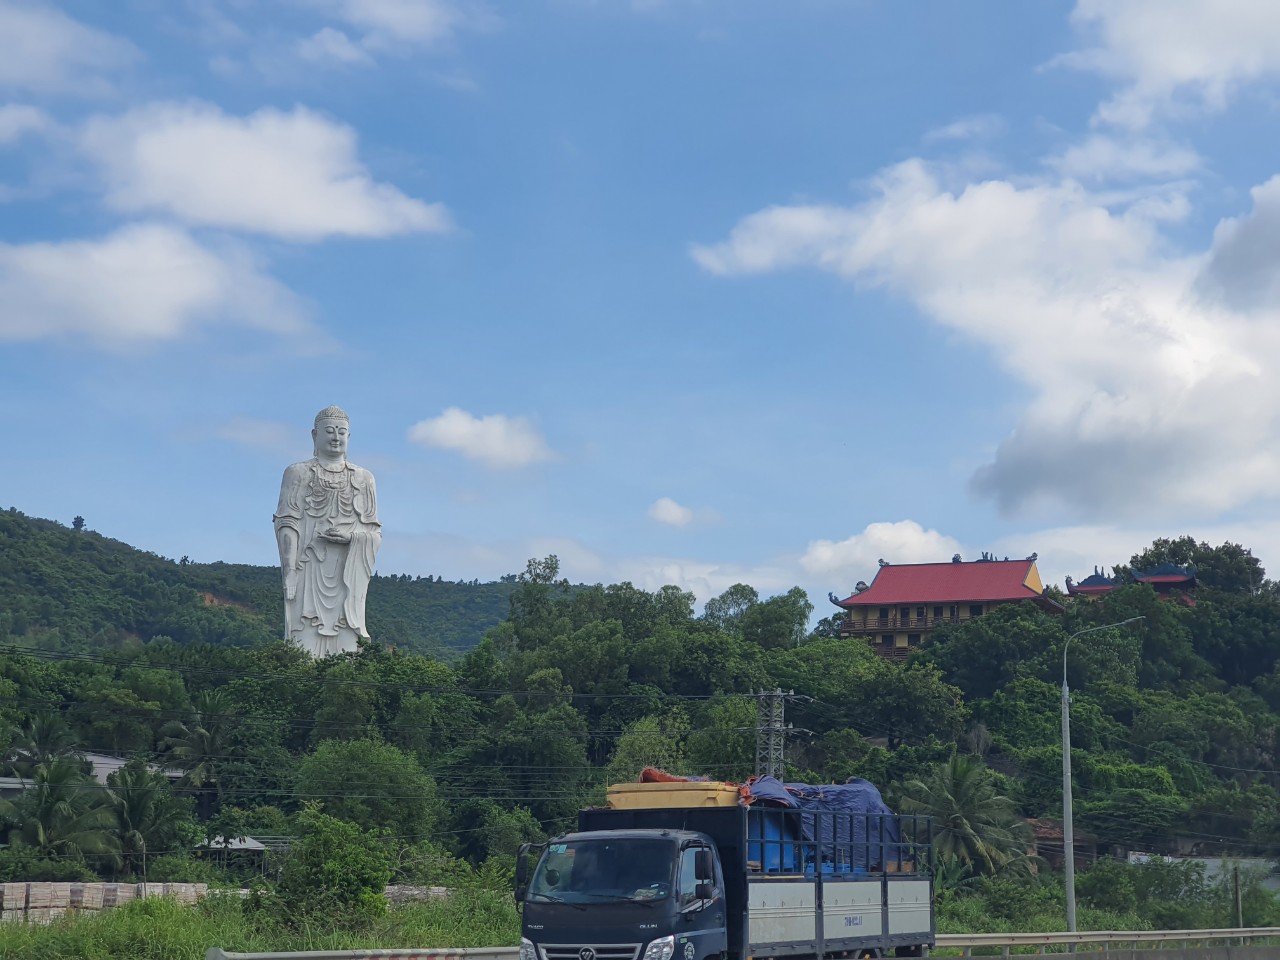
71 588
451 765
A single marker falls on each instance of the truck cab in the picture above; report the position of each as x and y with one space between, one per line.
728 883
630 894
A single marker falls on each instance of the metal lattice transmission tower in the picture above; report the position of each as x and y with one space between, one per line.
771 732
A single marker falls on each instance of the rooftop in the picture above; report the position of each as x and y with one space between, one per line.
979 581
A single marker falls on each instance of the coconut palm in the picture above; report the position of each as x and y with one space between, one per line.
972 821
61 813
45 736
146 816
198 744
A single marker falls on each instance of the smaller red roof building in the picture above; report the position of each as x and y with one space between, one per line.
1168 580
905 601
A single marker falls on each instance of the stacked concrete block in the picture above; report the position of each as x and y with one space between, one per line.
13 901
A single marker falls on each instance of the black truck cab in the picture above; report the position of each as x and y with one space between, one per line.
611 894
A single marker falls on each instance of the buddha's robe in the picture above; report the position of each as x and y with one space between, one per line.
325 590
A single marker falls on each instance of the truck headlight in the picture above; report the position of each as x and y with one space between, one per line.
528 951
660 949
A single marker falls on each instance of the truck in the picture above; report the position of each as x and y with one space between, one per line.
705 871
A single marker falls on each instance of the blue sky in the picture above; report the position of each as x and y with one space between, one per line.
683 291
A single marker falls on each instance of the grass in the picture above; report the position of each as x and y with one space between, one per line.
160 929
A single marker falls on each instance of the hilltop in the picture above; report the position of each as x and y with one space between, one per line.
75 588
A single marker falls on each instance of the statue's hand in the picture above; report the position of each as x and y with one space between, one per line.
291 583
334 535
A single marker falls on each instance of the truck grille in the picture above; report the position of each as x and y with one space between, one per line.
590 951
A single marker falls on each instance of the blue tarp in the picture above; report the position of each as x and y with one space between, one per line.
853 796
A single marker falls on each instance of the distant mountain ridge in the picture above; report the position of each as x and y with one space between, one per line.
76 588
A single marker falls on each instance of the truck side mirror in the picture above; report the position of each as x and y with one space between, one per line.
704 891
703 866
522 869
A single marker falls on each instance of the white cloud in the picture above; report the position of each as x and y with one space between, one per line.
494 440
142 283
413 21
388 25
45 51
1138 370
293 175
665 510
1109 158
1074 551
1175 54
17 120
856 557
977 127
328 45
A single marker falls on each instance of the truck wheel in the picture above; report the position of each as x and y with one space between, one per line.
912 951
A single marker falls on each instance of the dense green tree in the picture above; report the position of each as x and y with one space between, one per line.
1229 567
654 741
984 654
369 783
728 611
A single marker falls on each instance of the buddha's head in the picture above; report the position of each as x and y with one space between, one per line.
330 434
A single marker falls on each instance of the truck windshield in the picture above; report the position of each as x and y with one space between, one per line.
595 871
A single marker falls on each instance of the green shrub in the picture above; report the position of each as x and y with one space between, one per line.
336 872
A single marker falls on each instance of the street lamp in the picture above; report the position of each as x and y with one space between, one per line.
1068 831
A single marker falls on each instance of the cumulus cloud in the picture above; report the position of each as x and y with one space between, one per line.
665 510
44 51
1175 54
19 120
855 558
142 283
1137 374
494 440
1101 157
294 175
1243 268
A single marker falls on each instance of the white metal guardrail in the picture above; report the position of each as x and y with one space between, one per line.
963 941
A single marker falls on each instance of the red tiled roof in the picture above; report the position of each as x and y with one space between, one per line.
983 580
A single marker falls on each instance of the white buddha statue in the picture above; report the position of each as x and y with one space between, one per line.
328 531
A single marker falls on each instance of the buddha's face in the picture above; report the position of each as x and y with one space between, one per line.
330 438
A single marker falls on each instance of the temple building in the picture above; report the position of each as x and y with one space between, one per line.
1170 582
905 601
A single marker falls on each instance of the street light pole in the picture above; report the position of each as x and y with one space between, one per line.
1068 829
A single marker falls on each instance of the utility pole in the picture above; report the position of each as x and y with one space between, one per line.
771 732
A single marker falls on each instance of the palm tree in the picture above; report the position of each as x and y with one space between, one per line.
61 813
147 817
44 737
972 821
198 745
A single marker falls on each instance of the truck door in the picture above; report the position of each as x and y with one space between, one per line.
700 925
